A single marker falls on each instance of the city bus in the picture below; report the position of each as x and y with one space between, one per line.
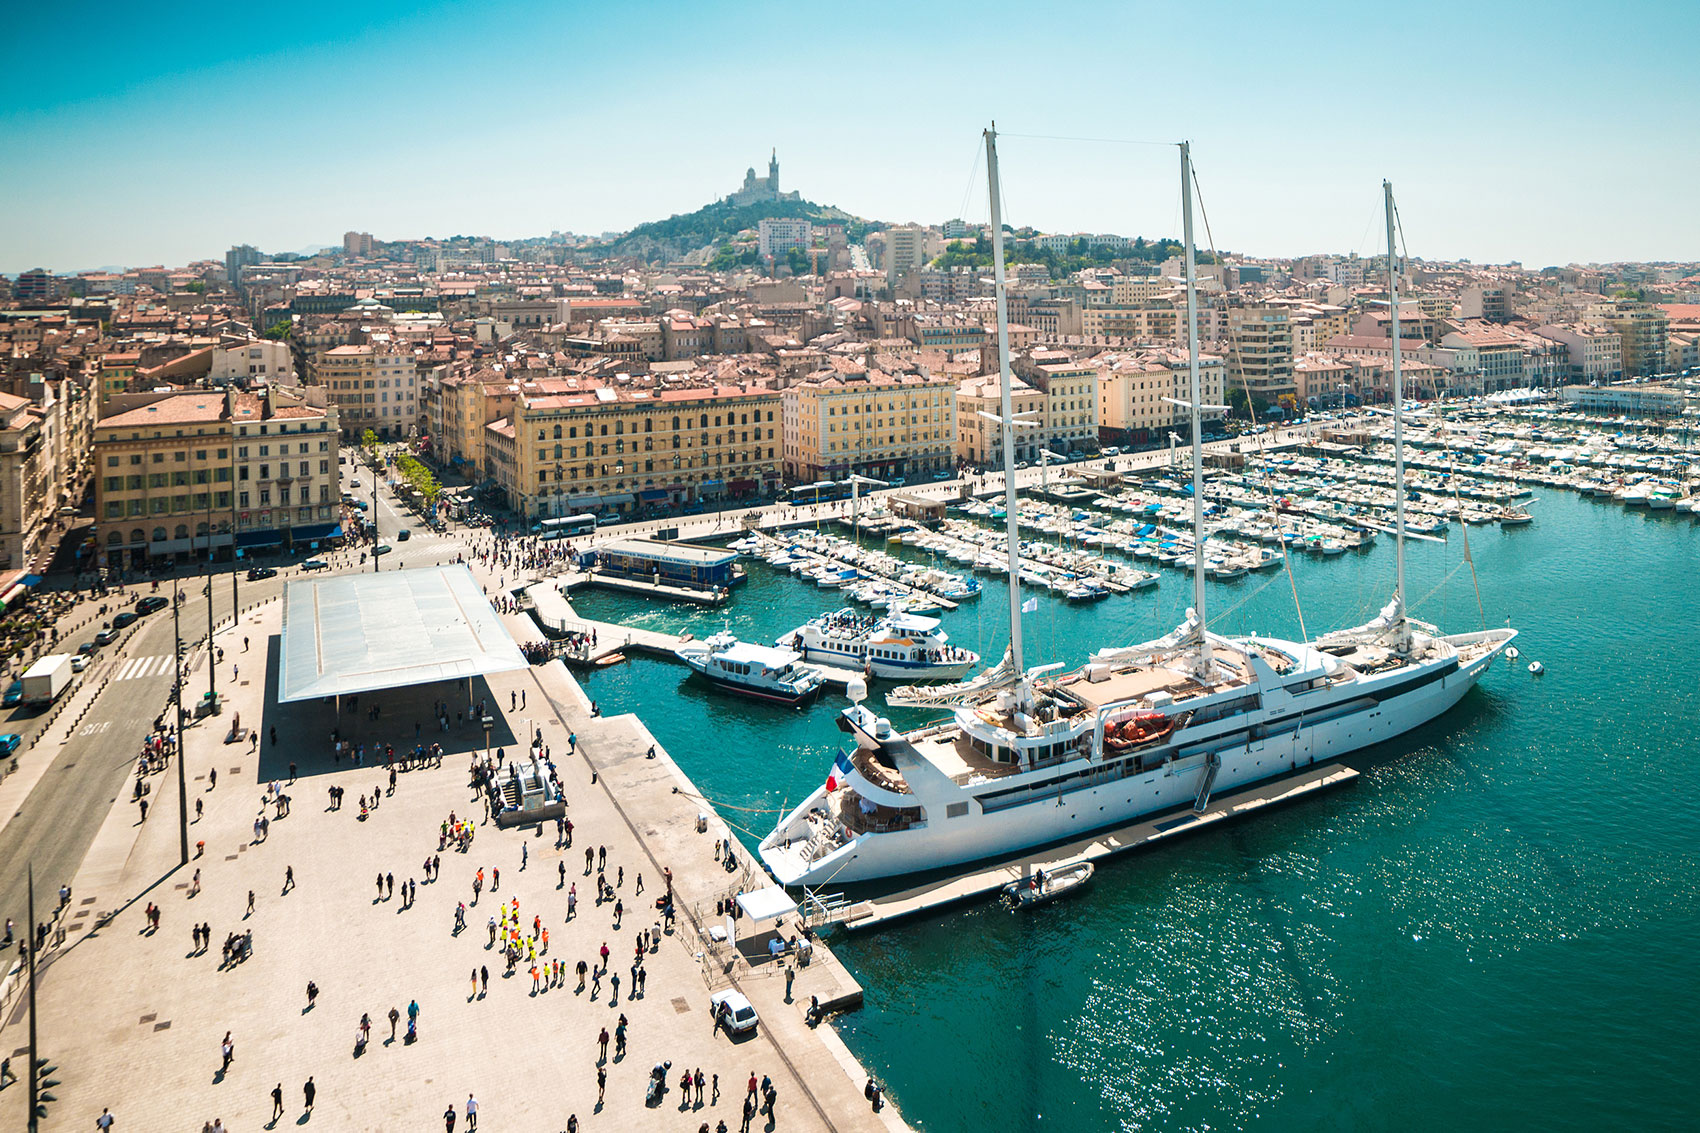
804 494
566 527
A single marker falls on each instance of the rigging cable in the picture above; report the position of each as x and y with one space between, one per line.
1251 410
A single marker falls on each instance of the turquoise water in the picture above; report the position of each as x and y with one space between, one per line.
1496 926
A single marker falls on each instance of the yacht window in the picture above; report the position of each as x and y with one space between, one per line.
955 810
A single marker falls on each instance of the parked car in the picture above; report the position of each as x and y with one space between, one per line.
105 637
14 695
151 603
315 564
361 504
10 742
79 663
261 573
127 618
732 1011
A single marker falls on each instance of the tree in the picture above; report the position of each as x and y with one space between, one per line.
198 286
281 330
369 440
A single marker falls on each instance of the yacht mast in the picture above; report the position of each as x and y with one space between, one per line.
1398 421
1006 424
1197 409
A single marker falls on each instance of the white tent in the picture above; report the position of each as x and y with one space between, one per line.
766 904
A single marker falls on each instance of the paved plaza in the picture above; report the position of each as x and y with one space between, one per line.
134 1019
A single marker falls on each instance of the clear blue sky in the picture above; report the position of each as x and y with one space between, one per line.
141 134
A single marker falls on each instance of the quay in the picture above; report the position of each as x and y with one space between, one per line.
979 881
131 1017
555 613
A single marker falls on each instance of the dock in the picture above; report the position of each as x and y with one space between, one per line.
877 911
599 643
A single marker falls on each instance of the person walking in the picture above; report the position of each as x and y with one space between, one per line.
309 1092
449 1119
601 1083
602 1046
395 1017
228 1049
471 1113
484 975
277 1101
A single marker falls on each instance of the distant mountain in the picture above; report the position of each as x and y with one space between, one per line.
712 226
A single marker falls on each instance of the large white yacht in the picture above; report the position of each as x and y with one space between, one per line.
1026 759
901 646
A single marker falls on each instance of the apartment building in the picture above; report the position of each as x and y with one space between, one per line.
1152 320
1641 329
887 426
1594 355
373 386
775 235
182 471
905 251
1134 392
1069 417
261 360
28 492
562 453
979 439
1260 352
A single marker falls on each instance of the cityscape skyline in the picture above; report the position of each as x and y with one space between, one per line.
404 125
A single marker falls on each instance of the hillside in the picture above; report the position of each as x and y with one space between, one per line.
714 225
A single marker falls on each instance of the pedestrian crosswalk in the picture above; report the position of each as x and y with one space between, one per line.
133 668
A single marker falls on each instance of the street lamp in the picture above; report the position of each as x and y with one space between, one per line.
177 707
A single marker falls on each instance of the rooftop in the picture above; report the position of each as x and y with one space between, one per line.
355 633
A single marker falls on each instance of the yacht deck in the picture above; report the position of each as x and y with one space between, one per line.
1126 685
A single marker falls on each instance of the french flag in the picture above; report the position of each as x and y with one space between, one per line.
840 766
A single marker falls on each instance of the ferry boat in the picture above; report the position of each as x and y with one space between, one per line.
901 646
752 670
1027 758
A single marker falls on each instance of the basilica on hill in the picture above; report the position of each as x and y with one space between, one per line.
758 189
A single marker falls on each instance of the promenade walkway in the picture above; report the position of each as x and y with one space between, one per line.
134 1018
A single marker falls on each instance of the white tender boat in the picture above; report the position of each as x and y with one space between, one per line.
758 671
1047 885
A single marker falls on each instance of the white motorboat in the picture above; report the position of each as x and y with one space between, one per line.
759 671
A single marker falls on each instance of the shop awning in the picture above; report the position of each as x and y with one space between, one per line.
618 498
584 501
652 495
712 486
742 485
315 531
259 539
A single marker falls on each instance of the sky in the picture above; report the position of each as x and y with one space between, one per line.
157 134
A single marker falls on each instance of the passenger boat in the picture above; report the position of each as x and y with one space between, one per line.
901 645
758 671
1027 758
1047 885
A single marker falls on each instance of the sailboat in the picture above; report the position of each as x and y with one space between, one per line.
1033 756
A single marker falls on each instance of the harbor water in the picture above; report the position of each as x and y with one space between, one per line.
1496 926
